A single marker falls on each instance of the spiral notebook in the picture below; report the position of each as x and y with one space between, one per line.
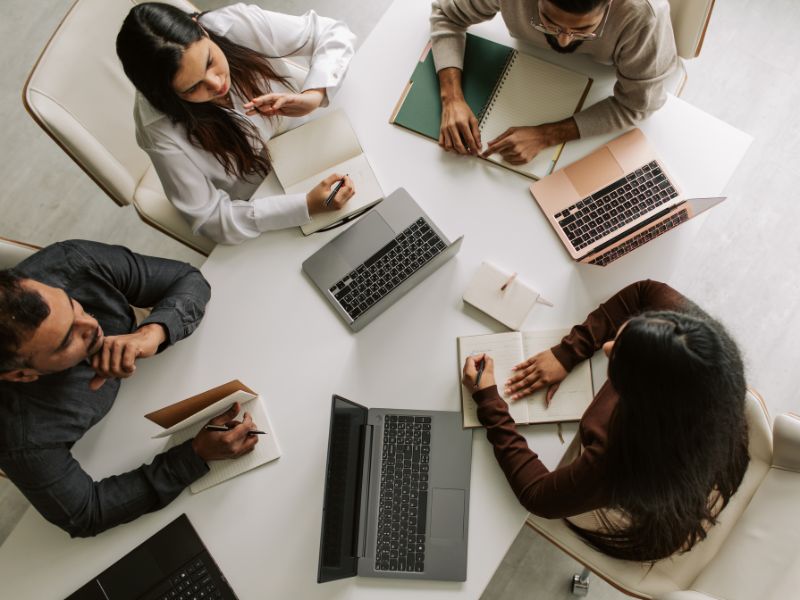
504 88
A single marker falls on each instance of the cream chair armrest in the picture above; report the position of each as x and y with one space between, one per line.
786 442
686 595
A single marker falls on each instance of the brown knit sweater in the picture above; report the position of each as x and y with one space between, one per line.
579 486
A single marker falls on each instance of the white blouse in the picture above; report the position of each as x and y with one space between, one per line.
214 203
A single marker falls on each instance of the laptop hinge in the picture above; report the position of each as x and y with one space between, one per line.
362 508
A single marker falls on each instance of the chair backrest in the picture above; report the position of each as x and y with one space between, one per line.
689 23
680 571
13 252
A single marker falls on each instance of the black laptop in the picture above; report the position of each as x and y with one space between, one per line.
173 564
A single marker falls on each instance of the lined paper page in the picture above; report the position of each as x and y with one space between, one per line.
574 394
534 92
506 351
266 450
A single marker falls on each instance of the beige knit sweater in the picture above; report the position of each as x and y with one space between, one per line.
637 40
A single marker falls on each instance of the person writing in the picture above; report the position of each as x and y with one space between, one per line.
67 337
663 445
633 35
212 89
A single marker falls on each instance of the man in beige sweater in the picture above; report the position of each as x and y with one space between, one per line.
633 35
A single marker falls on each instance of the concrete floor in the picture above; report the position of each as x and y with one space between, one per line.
741 268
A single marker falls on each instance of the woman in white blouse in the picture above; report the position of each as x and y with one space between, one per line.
212 89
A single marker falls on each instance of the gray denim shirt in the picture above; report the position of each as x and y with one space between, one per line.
41 420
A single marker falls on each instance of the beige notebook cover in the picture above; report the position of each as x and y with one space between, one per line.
304 156
511 306
509 349
195 412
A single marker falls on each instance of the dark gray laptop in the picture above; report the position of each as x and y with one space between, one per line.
366 269
396 494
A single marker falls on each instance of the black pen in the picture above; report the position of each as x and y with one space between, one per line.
226 428
480 373
335 189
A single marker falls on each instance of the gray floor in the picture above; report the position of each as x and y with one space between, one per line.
742 267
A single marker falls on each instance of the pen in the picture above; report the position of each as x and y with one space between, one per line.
335 189
508 282
226 428
480 373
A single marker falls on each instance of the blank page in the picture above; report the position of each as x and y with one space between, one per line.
312 148
266 450
574 394
533 92
506 351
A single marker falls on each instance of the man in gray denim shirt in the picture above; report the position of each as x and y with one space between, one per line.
67 336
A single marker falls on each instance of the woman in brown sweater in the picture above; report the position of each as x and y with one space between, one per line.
663 446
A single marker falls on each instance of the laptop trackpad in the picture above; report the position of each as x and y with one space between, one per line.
594 172
364 239
447 514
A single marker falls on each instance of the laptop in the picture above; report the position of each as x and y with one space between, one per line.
172 564
396 498
368 267
614 200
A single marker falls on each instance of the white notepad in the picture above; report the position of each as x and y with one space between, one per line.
304 156
266 450
509 349
510 306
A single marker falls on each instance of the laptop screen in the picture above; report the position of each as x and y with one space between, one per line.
338 543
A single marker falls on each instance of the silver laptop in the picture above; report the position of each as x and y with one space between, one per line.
614 200
366 269
396 494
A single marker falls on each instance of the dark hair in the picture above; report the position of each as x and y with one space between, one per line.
677 440
150 46
579 7
21 312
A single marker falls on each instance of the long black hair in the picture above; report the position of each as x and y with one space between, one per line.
677 440
150 46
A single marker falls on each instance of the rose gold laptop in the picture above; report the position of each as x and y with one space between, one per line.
614 200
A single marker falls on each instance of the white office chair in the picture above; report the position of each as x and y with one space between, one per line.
13 252
689 24
751 553
78 93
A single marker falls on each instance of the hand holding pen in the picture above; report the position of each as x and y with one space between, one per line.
224 437
478 372
332 193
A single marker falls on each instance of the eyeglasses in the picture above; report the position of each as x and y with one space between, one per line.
555 30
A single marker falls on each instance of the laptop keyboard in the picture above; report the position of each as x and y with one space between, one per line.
642 238
616 205
402 513
365 285
191 582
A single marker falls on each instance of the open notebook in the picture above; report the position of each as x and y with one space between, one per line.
304 156
508 349
504 88
183 420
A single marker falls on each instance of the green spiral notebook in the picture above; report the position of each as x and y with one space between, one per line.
504 88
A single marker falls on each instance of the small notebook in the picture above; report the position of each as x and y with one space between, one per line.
203 407
512 305
304 156
504 88
509 349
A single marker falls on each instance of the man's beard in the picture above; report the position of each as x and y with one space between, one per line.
562 50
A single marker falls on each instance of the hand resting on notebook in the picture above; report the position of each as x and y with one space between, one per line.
218 445
318 195
539 371
520 145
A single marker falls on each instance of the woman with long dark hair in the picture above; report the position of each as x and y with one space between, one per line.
212 89
663 446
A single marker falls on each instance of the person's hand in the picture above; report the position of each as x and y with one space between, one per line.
519 145
470 375
317 196
117 356
217 445
459 130
288 105
540 370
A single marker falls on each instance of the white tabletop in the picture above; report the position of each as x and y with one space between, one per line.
268 326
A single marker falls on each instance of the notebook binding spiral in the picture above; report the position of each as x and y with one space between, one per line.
486 110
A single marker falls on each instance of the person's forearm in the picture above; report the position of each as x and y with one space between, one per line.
450 85
560 132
